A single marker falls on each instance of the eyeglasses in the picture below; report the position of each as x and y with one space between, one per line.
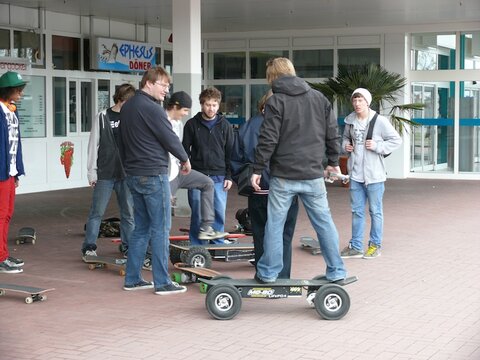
162 85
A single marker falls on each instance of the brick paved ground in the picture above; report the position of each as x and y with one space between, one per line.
419 300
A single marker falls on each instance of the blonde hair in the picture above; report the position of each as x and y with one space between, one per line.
263 101
278 67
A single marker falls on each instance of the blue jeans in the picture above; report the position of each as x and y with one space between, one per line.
219 205
151 199
314 198
101 196
359 194
257 211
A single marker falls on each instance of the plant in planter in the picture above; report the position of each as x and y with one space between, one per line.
382 84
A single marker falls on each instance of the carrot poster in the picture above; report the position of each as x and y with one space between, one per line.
66 156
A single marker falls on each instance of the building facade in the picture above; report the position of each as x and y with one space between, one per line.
63 58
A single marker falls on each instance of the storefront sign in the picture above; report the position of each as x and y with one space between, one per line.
31 108
122 55
13 64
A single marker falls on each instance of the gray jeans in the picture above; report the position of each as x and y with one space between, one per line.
197 180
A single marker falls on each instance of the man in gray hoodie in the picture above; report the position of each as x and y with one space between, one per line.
366 167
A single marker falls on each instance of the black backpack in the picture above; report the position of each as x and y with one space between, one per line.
370 131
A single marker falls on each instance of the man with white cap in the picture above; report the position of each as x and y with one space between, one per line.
366 166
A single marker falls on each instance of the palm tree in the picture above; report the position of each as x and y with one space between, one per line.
382 84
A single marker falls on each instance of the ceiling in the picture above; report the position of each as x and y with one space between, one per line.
265 15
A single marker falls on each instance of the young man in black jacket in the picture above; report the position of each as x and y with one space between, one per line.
208 141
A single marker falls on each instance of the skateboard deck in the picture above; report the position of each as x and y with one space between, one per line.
34 293
96 262
26 234
224 296
309 243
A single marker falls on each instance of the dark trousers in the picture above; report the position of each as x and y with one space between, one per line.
257 211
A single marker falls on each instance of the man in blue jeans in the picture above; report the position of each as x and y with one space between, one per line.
147 138
299 130
106 174
366 166
246 140
208 141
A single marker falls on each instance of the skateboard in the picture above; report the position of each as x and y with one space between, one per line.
309 243
178 244
96 262
34 293
224 296
190 274
26 234
202 255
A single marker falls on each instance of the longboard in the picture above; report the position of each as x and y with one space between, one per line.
95 262
309 243
224 296
26 234
34 293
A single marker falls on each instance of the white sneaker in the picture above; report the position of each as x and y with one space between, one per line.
208 233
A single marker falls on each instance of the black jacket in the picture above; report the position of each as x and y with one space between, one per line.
300 130
146 137
209 150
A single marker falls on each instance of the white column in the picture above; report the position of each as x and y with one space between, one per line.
187 65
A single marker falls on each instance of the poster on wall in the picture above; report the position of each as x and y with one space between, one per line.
122 55
31 108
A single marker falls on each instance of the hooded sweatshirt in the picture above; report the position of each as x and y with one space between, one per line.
298 133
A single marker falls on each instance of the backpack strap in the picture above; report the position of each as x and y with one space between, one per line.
370 127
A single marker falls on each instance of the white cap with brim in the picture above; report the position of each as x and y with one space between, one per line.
365 93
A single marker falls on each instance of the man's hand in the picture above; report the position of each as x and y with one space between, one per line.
349 148
227 184
185 168
370 145
255 180
333 170
92 184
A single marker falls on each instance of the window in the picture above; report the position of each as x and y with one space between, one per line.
230 65
27 44
168 61
59 106
469 144
31 108
313 63
65 53
470 50
233 103
432 139
103 95
4 42
258 61
350 57
433 52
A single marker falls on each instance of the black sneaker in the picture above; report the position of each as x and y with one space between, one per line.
263 281
147 263
172 288
7 268
15 262
142 284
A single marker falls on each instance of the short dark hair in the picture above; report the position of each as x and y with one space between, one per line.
123 93
153 74
210 93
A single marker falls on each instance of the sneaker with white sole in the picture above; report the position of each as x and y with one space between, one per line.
7 268
350 253
89 253
141 285
147 263
14 262
372 252
209 233
169 289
